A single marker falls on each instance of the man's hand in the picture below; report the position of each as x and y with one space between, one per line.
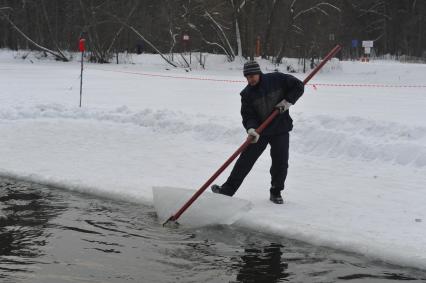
283 106
252 133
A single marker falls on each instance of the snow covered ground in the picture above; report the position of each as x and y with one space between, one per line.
358 154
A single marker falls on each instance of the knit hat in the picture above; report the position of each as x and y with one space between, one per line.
251 68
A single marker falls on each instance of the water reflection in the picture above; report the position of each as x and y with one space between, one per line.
262 264
385 276
25 214
49 235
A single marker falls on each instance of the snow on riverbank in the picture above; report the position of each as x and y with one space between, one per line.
358 155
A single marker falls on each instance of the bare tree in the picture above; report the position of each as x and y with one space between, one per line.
142 37
58 55
295 13
285 27
237 8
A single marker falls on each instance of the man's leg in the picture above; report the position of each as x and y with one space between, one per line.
279 155
243 166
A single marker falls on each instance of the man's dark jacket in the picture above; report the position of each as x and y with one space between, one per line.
258 102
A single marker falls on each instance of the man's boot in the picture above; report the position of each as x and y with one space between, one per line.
275 197
215 189
224 190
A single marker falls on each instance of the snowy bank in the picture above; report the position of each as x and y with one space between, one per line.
358 154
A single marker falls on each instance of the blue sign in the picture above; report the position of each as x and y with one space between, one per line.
354 42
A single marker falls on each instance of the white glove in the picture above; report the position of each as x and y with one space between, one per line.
255 136
283 106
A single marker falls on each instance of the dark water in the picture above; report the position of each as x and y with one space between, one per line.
52 235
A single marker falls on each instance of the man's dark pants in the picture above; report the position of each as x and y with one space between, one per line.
279 154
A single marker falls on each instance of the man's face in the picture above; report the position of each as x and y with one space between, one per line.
253 79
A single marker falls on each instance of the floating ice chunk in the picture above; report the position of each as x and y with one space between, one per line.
208 209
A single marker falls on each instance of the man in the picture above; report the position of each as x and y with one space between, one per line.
263 94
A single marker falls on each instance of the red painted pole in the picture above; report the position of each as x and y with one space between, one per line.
247 142
81 48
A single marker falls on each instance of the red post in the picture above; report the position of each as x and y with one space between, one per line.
185 41
82 45
81 48
247 142
258 46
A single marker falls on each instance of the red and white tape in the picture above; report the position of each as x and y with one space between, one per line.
314 85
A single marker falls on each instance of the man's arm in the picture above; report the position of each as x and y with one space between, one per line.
293 88
250 120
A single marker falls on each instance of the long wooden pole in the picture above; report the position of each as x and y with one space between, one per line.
246 143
